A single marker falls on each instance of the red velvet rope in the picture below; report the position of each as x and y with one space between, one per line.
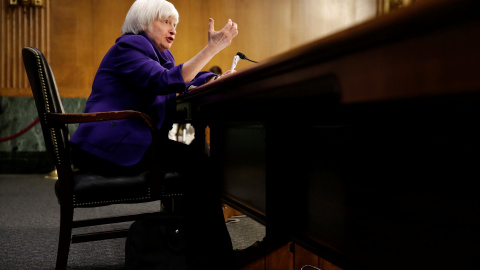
21 131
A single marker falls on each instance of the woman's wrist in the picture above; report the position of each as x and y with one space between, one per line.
213 49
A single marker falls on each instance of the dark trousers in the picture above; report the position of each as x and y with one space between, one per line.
208 241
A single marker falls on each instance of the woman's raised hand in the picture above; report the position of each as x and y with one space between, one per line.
217 41
223 38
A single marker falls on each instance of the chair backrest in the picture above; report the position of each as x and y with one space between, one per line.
47 100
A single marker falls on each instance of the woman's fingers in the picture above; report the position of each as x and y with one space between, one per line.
229 72
230 27
223 37
235 29
211 25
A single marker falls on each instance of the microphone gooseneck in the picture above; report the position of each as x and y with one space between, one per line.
242 56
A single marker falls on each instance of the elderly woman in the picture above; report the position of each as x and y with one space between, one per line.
139 73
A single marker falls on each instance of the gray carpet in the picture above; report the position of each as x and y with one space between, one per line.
29 220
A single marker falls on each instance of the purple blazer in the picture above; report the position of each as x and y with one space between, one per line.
133 75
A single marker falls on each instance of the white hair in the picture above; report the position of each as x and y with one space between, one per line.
143 12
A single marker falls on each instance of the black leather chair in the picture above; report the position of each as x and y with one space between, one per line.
75 189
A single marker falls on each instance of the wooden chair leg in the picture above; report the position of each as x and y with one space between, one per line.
66 221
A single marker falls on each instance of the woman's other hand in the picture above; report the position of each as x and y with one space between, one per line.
228 72
215 78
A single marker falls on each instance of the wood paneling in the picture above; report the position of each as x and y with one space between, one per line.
266 28
20 27
279 257
83 31
229 212
304 257
287 256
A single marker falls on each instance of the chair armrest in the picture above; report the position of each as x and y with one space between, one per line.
73 118
58 119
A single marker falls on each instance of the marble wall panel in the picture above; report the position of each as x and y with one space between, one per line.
17 113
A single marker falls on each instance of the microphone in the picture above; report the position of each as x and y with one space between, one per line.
242 56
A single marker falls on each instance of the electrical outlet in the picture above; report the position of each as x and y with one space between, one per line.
37 3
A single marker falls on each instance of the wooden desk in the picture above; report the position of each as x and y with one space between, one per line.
362 146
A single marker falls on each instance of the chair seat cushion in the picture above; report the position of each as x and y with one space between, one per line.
91 190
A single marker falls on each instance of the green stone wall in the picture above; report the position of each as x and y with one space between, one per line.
26 153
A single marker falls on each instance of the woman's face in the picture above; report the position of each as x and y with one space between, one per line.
162 32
